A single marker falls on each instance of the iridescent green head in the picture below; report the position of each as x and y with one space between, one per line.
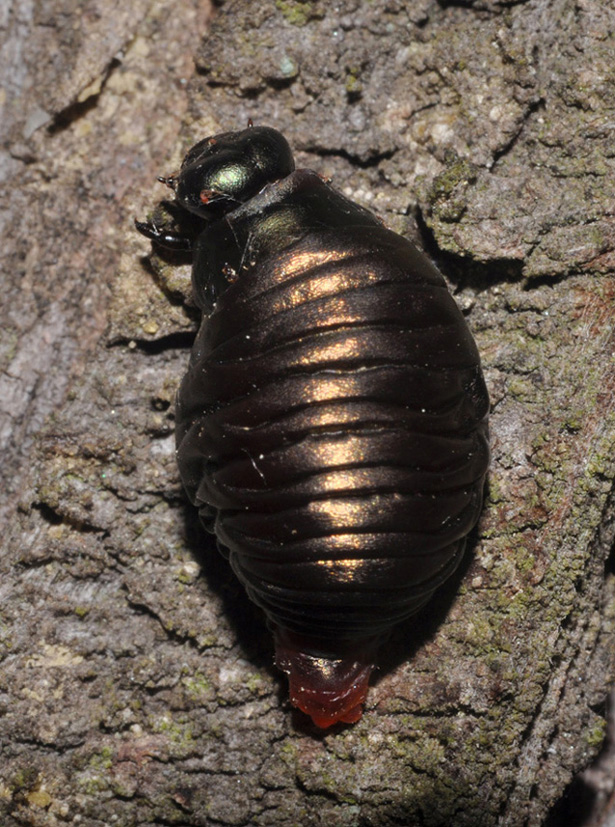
223 171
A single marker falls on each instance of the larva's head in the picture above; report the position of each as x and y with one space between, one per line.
331 690
223 171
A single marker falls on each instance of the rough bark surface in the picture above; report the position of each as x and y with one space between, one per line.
136 680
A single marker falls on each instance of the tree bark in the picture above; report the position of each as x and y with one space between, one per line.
136 680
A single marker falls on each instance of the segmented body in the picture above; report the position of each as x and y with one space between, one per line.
331 427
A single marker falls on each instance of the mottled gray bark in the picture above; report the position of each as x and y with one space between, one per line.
136 681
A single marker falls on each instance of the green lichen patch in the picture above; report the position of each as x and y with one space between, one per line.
299 13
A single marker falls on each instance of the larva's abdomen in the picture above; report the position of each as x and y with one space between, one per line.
332 424
332 420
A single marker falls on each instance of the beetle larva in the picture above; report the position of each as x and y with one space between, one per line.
332 426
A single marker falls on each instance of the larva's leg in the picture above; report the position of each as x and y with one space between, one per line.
164 238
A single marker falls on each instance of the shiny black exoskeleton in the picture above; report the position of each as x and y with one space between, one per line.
331 427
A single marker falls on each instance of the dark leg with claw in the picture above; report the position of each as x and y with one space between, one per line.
164 238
